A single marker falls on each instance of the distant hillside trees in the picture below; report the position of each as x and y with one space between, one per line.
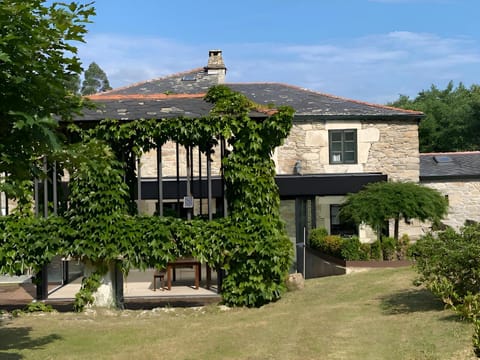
95 80
452 117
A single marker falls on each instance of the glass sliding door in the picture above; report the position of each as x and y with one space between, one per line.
304 221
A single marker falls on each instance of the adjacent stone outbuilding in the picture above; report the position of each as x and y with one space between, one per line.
457 176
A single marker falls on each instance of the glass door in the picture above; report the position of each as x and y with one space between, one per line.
304 221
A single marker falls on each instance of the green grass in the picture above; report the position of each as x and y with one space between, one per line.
371 315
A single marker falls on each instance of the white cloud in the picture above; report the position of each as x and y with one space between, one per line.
132 59
375 68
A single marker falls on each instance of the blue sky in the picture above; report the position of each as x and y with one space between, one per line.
371 50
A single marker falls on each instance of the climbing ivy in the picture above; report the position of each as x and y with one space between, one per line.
29 243
97 204
250 245
85 296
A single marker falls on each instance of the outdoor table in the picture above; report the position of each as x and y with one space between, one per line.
183 262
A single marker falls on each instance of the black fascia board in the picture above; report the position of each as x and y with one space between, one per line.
449 177
325 184
150 188
288 185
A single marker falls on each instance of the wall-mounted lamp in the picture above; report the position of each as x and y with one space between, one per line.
297 168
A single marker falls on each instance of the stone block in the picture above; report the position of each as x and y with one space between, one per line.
295 281
316 138
369 135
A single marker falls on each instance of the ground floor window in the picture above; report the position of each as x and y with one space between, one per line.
339 226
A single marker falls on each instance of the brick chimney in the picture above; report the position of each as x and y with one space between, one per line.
216 66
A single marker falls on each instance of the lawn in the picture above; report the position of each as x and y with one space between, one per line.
371 315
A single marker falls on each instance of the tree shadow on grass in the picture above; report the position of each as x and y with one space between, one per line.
15 339
410 301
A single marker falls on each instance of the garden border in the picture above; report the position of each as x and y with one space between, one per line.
362 263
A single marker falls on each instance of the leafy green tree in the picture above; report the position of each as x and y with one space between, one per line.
452 117
379 202
74 84
95 80
37 61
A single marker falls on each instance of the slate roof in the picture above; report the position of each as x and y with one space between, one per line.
195 81
310 103
181 95
138 107
450 165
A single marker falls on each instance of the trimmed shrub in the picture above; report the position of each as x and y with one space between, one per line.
346 248
351 249
365 251
403 246
449 263
376 250
328 244
316 237
332 245
389 247
450 257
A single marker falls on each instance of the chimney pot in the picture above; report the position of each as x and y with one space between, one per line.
216 66
215 60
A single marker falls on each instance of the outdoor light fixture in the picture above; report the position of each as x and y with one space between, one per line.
297 168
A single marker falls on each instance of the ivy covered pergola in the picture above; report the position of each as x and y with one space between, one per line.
101 227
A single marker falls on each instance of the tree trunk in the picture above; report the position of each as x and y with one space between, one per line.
105 294
395 231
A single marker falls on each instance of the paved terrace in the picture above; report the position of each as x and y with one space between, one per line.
138 292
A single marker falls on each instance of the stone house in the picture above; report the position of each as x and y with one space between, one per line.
457 176
335 147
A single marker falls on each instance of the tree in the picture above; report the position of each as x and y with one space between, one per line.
97 208
37 61
452 117
379 202
95 80
74 84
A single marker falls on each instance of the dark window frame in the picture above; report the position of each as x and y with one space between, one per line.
339 227
343 146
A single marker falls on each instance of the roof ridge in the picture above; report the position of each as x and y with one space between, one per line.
152 80
333 96
157 96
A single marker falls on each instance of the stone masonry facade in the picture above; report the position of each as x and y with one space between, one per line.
388 147
148 162
463 198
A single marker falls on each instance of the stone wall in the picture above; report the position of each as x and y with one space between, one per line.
396 153
389 147
148 162
463 198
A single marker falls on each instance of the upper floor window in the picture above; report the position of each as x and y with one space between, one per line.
343 146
